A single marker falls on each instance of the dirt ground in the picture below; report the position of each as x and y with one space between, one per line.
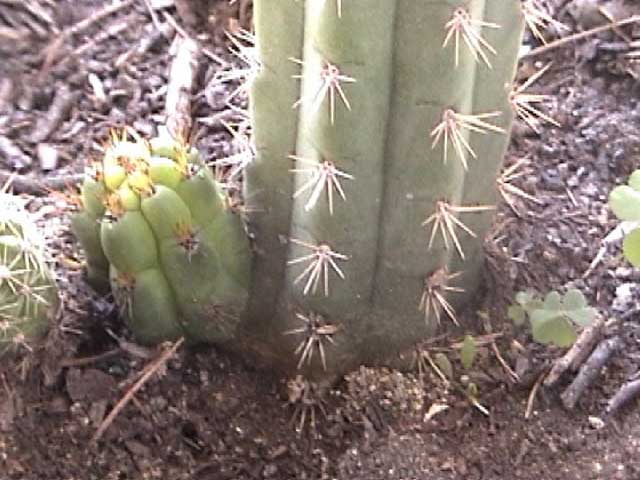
65 82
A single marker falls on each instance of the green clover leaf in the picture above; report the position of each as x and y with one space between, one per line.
553 320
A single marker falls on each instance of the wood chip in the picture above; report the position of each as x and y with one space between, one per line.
590 371
11 156
577 354
56 114
184 68
624 395
47 156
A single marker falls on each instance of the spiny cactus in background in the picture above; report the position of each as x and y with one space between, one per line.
624 200
377 130
156 227
28 294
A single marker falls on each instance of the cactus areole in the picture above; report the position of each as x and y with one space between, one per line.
28 294
378 128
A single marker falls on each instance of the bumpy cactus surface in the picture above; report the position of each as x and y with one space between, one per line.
28 295
156 227
379 127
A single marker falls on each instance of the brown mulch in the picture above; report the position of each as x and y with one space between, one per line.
208 416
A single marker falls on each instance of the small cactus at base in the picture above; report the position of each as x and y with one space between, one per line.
28 294
156 227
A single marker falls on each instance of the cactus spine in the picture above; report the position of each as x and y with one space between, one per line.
379 127
28 295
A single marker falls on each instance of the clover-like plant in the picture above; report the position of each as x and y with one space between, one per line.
553 320
468 352
624 200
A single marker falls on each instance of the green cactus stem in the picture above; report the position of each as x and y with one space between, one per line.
28 294
156 227
376 188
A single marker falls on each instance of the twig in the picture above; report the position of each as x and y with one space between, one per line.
7 92
97 16
12 35
80 362
154 16
5 384
615 235
172 21
512 375
579 36
183 32
152 37
33 9
59 109
12 156
186 12
494 347
626 393
577 354
112 30
184 68
149 371
590 371
532 396
32 186
218 119
603 11
480 340
131 348
435 368
481 408
52 53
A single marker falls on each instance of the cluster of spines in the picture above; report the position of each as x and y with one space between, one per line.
27 290
462 31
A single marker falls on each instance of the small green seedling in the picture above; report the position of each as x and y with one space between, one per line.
444 367
553 320
464 385
624 200
468 352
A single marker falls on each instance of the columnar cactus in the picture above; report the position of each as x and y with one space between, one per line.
379 127
28 295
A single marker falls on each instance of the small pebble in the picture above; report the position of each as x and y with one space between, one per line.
47 156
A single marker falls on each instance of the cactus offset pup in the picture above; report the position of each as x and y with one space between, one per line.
156 227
